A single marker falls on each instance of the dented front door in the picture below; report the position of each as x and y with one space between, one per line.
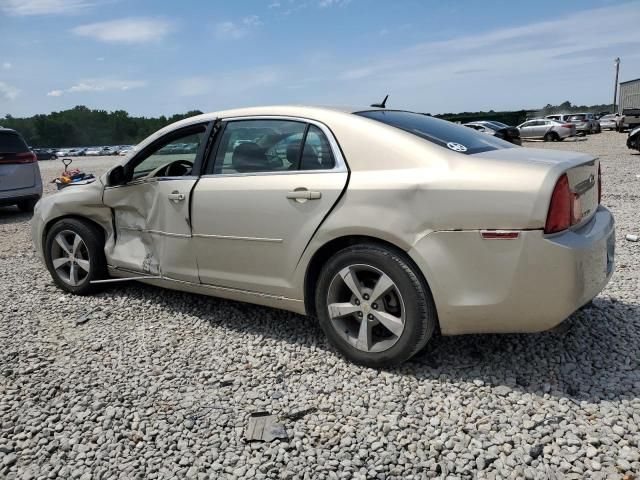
152 227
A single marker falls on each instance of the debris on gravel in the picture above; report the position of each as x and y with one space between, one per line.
160 384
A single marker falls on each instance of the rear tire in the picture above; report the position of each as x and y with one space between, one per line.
28 205
397 323
74 255
551 137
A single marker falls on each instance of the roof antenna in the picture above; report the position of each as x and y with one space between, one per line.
381 105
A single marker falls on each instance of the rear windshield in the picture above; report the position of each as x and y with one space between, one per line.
631 111
578 117
446 134
11 142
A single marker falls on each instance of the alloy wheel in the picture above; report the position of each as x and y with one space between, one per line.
70 257
366 308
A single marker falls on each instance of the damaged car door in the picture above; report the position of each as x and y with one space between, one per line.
150 197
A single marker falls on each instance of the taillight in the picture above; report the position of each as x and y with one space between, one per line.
567 125
599 185
559 216
26 157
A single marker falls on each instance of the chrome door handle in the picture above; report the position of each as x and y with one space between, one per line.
304 195
176 197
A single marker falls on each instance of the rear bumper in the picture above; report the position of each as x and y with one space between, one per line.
529 284
11 197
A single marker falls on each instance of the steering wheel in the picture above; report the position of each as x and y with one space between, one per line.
177 168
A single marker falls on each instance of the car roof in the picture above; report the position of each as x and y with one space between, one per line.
281 110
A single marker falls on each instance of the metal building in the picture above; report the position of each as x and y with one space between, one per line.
629 94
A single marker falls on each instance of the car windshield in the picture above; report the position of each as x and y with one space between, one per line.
11 142
441 132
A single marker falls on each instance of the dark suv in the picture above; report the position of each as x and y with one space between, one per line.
20 182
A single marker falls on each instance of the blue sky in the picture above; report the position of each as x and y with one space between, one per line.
153 57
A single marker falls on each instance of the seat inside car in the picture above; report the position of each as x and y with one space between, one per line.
249 157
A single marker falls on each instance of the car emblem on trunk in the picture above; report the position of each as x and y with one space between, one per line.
456 147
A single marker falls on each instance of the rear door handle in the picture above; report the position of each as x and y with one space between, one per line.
304 195
176 196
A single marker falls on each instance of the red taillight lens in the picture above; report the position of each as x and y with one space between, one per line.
567 125
559 216
599 185
26 157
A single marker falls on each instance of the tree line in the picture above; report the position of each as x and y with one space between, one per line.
83 127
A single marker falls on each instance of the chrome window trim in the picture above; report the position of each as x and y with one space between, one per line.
340 166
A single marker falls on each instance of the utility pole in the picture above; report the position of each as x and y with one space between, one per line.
616 62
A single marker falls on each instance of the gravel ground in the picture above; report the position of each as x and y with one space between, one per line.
160 384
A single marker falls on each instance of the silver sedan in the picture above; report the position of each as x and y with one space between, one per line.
546 129
385 225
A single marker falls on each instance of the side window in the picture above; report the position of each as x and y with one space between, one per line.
317 154
177 153
250 146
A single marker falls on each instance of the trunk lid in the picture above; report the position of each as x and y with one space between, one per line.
17 169
581 170
14 176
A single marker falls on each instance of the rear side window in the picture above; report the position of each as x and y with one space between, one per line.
445 134
317 154
11 142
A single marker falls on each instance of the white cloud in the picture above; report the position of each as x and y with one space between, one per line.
331 3
274 5
237 30
43 7
99 85
9 92
228 84
7 66
127 30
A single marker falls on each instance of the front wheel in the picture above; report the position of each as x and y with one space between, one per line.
74 255
374 306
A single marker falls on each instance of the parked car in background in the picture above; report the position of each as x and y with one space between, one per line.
63 152
98 151
497 129
125 150
559 117
633 140
630 118
546 129
585 123
20 182
385 225
77 152
45 153
612 121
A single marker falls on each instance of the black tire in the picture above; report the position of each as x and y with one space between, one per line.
551 137
93 239
28 205
419 309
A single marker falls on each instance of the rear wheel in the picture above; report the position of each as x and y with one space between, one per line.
373 306
551 137
74 255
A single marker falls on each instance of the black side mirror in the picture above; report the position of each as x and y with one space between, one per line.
117 176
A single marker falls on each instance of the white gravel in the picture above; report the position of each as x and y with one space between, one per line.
160 384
